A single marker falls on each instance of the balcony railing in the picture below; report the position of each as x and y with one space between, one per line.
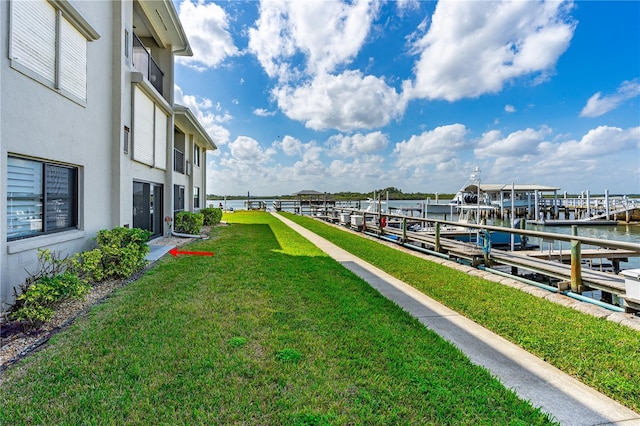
144 62
178 161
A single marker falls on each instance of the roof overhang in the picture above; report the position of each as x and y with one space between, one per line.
307 192
499 187
189 124
161 22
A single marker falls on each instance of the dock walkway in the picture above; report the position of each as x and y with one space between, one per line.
531 378
547 263
594 279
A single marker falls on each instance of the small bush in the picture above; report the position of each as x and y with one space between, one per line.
35 305
189 223
55 279
120 253
92 267
212 216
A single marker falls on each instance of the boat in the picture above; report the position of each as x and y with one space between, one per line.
472 215
466 196
469 214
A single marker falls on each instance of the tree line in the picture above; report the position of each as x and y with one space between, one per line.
394 194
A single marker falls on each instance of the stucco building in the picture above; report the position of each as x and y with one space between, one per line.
90 137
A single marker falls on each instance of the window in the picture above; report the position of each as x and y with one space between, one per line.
42 198
178 161
196 197
178 198
50 45
196 155
126 44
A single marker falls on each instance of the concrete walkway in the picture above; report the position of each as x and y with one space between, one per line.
156 251
568 400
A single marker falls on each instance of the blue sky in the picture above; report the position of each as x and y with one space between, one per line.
357 96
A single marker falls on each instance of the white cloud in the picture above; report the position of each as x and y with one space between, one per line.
291 146
598 105
239 176
364 173
294 147
345 102
577 162
509 108
516 144
357 144
406 6
433 147
202 111
247 149
475 47
600 142
207 28
328 34
261 112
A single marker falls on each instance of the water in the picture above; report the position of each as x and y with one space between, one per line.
621 232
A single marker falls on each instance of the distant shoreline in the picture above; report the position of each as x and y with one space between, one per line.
355 197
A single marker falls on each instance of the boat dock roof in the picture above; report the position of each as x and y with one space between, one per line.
504 187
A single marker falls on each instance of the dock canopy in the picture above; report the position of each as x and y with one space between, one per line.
499 187
307 192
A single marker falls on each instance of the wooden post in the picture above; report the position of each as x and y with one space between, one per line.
437 247
404 229
576 263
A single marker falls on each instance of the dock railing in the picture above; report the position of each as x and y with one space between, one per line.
372 220
591 207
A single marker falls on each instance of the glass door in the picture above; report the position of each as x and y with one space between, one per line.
147 207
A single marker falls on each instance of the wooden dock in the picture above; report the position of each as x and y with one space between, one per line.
562 268
565 255
591 280
544 263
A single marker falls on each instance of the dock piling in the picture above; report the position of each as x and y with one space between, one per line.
576 263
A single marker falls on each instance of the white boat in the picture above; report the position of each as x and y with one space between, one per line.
467 195
472 214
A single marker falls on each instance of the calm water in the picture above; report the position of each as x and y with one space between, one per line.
621 232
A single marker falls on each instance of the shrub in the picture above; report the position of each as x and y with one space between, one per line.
189 223
212 216
35 305
91 262
120 253
55 279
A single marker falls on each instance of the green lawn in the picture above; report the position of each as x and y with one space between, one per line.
268 331
602 354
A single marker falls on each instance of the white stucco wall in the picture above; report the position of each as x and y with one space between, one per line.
39 123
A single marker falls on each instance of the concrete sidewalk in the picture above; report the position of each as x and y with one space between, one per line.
565 398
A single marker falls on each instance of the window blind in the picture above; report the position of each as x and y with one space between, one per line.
24 197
